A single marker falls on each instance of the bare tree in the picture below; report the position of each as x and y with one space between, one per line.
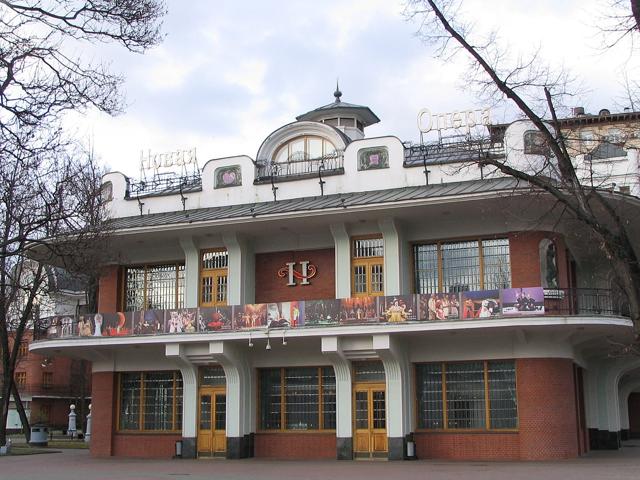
49 187
537 92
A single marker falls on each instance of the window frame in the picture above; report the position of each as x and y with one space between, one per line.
214 274
283 404
141 404
307 156
487 404
47 379
368 263
147 267
20 379
439 243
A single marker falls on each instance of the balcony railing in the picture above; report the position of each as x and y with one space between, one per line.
417 308
294 169
165 184
455 151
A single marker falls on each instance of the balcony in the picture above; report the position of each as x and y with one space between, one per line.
298 169
507 305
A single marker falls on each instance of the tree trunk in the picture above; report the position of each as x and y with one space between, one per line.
26 428
635 11
6 395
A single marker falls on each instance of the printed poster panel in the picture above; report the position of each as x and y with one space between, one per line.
181 320
114 324
358 310
250 316
85 326
148 322
284 315
522 301
318 313
215 319
397 308
480 304
439 306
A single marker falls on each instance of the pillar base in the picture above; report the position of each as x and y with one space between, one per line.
604 439
396 448
344 448
240 447
189 449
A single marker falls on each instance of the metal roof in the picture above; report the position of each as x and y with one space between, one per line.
318 203
366 115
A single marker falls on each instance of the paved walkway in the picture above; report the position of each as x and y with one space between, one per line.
77 464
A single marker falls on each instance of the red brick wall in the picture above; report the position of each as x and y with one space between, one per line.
271 288
547 421
103 395
546 409
145 445
295 445
108 290
525 258
634 413
468 446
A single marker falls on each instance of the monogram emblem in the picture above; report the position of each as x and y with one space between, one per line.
309 271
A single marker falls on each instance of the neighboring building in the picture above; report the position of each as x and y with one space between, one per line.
340 296
49 384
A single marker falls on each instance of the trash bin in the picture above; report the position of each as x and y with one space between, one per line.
39 435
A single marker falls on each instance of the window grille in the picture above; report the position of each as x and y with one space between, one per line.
467 395
150 401
301 398
502 394
454 267
368 371
212 376
154 287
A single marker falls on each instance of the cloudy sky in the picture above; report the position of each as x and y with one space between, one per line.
231 72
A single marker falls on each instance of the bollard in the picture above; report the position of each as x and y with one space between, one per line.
71 431
87 434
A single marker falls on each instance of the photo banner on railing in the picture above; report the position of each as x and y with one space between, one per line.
390 309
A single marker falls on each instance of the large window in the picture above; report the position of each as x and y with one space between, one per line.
301 398
154 287
467 395
214 265
451 267
304 148
150 401
367 267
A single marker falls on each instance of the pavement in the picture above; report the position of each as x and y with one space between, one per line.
78 464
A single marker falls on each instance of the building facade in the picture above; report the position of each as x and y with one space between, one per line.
344 297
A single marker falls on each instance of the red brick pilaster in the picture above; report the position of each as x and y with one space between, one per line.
103 403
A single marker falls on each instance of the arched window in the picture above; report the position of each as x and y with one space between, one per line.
304 148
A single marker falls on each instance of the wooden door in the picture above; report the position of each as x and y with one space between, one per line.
212 415
370 421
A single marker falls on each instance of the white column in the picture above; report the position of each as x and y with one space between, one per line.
342 369
241 283
342 245
398 395
191 272
394 257
189 398
241 409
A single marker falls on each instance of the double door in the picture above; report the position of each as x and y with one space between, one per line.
212 415
370 421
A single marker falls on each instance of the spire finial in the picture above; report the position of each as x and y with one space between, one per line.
337 93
